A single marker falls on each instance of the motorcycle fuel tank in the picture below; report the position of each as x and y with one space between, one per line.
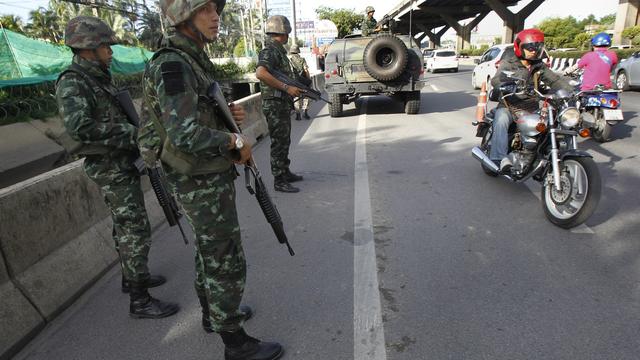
527 124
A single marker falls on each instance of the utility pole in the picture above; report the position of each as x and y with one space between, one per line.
252 33
293 24
244 32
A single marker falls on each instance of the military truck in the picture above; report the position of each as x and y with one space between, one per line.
383 63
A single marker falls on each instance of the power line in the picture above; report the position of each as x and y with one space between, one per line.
106 6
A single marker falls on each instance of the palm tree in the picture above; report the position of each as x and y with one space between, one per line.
12 22
150 29
45 25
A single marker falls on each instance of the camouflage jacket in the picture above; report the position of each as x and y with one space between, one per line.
174 88
274 56
299 64
90 114
368 25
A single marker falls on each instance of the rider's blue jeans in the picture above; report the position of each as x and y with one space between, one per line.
502 119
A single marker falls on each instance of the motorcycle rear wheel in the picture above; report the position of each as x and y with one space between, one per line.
603 134
580 194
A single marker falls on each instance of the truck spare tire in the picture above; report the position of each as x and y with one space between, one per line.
385 57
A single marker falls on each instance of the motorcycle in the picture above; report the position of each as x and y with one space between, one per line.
600 109
544 147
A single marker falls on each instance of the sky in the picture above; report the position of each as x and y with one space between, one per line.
491 25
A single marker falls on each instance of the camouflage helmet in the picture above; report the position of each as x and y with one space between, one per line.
179 11
369 9
88 32
278 24
294 49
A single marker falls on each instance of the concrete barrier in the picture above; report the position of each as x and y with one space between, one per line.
255 124
56 241
19 319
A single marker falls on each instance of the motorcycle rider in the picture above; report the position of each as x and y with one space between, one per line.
597 64
527 64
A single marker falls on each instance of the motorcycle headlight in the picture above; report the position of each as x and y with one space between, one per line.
569 118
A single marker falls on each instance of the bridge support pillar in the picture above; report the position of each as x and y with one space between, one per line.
627 17
513 23
435 37
463 31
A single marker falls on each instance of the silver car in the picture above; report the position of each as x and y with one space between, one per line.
627 73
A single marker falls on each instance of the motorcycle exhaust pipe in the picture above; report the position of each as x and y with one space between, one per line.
484 159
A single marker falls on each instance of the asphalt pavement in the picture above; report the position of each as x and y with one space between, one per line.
465 266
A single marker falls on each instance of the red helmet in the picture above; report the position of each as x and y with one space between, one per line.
531 40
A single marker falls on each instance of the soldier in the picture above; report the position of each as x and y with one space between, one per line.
368 25
100 131
277 101
196 153
301 68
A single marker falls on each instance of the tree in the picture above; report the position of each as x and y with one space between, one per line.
150 29
608 19
12 22
582 41
346 20
45 25
632 33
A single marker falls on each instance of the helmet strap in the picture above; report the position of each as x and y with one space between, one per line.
198 33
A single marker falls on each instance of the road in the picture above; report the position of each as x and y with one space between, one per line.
405 250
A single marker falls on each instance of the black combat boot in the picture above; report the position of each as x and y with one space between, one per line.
153 281
240 346
281 184
306 115
298 116
206 321
143 306
291 177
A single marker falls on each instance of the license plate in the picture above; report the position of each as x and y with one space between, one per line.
612 114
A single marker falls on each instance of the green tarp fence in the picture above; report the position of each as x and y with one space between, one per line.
26 61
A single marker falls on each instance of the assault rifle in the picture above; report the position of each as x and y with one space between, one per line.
302 83
251 170
166 200
156 175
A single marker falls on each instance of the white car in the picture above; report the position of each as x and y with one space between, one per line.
487 65
442 59
489 62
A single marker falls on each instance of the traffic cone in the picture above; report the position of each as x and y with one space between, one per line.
481 108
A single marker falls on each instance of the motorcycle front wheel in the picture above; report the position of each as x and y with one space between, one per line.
579 194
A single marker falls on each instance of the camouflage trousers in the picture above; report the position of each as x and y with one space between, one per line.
302 104
209 205
278 115
123 196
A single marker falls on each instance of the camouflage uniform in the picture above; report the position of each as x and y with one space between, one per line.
368 26
93 117
277 106
174 86
300 66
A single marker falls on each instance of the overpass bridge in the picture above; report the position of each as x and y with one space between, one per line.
432 18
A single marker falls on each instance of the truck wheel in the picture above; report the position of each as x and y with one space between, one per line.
412 102
385 57
335 108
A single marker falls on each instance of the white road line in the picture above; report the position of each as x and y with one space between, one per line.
368 331
435 88
534 187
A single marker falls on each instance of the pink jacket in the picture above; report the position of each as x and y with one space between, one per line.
597 66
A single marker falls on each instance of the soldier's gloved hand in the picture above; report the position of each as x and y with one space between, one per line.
294 91
245 152
237 111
